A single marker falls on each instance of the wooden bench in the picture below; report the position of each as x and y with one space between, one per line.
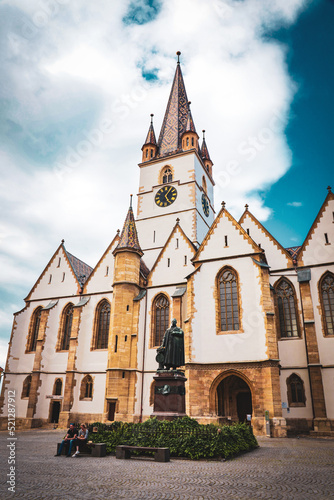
93 449
160 454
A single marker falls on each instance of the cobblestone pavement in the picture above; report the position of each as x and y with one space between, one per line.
280 469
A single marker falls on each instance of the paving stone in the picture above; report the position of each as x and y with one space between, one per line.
294 469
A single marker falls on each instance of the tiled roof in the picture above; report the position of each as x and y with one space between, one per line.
293 251
190 127
144 269
129 237
176 117
81 270
150 138
204 151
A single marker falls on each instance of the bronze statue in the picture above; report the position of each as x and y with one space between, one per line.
171 352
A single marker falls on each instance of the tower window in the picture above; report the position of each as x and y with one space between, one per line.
116 342
226 241
192 141
146 153
167 175
326 239
187 141
151 150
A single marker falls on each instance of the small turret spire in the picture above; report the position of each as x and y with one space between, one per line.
129 237
150 147
205 155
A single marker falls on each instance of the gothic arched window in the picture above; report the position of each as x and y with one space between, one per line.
102 322
33 330
160 318
286 303
327 302
86 389
57 387
296 393
228 300
167 175
66 326
26 387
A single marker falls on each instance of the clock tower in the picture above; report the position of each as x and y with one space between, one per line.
175 178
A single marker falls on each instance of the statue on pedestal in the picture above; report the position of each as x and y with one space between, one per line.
171 352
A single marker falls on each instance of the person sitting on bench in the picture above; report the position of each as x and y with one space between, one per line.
81 439
71 435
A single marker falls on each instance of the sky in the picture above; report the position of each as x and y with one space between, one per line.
79 80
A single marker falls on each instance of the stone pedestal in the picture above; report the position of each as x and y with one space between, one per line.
169 395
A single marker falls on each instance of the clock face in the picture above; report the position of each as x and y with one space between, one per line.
205 205
165 196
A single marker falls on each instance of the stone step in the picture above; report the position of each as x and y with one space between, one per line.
322 434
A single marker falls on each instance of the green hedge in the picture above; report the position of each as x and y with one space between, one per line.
184 437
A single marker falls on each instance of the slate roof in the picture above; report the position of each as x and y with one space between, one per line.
80 268
204 151
293 251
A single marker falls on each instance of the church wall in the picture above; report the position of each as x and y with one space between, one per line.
62 281
210 347
275 256
15 383
88 359
103 277
325 344
296 412
317 251
98 396
328 383
199 173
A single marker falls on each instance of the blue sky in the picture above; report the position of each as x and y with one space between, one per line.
80 79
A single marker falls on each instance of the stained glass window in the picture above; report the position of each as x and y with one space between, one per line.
296 394
161 318
36 319
167 176
102 325
327 297
228 300
67 326
286 303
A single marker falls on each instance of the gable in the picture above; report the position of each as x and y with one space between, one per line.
277 256
58 278
174 261
225 238
318 247
102 277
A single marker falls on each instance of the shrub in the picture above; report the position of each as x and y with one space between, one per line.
184 437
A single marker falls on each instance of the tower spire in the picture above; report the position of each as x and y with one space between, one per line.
176 116
205 155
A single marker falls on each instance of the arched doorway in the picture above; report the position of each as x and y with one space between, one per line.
234 399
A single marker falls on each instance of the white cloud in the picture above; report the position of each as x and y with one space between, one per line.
295 204
64 176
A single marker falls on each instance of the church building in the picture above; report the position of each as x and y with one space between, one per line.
258 318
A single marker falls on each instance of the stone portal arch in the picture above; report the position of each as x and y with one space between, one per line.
231 397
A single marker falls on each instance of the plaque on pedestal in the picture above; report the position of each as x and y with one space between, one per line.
169 395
